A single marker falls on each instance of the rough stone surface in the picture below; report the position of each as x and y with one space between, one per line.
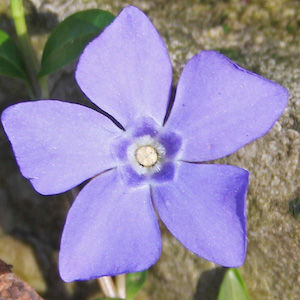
262 36
15 252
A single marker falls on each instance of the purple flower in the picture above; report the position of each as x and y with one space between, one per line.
155 162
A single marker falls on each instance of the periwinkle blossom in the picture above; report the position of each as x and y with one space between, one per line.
154 161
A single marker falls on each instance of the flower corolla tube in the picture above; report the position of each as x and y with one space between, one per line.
154 159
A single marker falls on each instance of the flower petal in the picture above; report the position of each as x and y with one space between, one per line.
204 208
127 70
110 229
220 107
58 144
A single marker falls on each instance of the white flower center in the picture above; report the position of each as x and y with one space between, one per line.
146 155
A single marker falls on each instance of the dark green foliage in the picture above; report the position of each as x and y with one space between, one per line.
70 37
11 63
294 208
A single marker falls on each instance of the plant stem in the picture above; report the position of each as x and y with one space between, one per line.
25 45
121 285
44 87
107 286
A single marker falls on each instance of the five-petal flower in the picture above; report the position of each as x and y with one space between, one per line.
112 227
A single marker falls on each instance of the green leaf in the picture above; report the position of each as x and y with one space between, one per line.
294 208
70 37
11 63
134 282
109 299
233 287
